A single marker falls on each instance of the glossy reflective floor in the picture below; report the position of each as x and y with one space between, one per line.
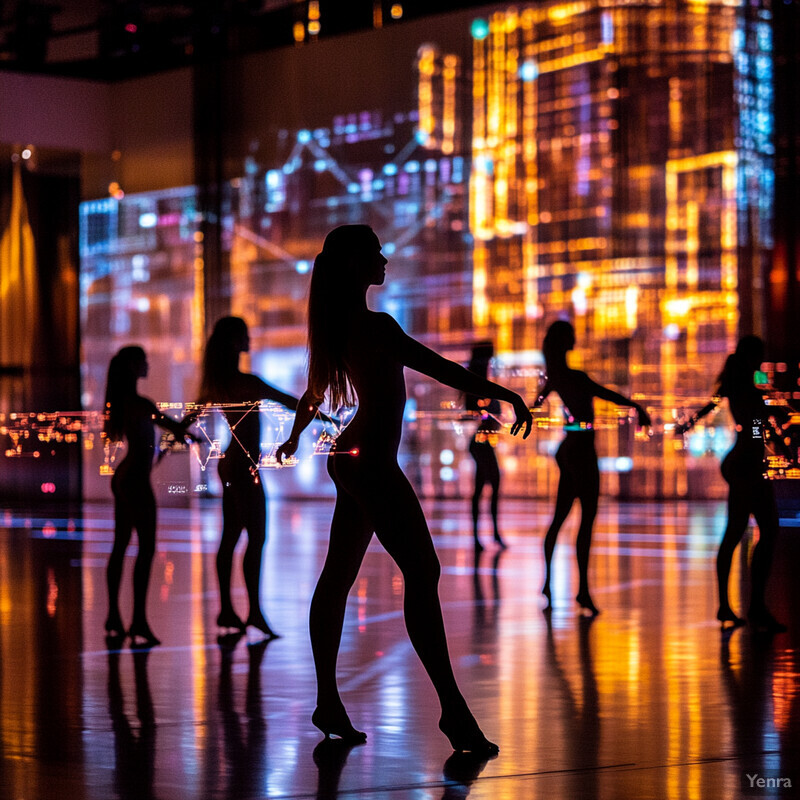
648 700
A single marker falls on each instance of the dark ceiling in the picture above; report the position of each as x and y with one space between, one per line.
117 39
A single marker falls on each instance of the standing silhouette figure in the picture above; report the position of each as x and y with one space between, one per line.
484 441
576 457
356 353
132 418
750 492
243 497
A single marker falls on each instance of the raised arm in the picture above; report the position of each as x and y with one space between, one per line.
604 393
307 409
415 355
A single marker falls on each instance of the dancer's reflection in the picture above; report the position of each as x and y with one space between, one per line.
245 740
750 492
486 611
330 756
483 443
460 771
576 457
134 747
243 498
131 417
355 351
581 715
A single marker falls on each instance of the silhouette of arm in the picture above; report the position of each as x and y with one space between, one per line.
415 355
269 392
684 427
604 393
307 409
178 428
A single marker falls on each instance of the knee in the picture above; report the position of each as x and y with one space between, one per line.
424 572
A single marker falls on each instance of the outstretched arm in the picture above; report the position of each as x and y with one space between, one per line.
604 393
180 430
270 392
307 409
415 355
289 401
684 427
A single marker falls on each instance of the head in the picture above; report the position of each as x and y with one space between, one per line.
349 263
124 370
558 341
229 338
737 374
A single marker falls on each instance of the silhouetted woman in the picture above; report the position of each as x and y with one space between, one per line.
484 441
132 418
576 457
356 353
243 499
749 491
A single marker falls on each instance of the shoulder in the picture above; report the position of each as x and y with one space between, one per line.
380 327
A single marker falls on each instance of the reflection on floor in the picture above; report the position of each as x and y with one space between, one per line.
649 700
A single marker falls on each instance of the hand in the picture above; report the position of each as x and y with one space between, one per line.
288 449
524 418
644 417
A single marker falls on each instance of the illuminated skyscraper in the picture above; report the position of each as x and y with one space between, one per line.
621 178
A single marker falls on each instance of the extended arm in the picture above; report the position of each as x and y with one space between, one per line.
684 427
415 355
307 407
604 393
180 430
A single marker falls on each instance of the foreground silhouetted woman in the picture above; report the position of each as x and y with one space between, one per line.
483 443
576 456
132 418
358 354
243 499
750 492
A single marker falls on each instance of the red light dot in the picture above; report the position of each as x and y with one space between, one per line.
131 27
355 451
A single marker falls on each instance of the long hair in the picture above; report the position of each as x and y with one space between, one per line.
120 389
220 359
332 299
560 338
737 374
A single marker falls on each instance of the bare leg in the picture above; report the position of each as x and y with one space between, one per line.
766 514
564 499
251 564
146 533
588 496
494 480
480 482
738 516
227 544
401 528
123 529
350 535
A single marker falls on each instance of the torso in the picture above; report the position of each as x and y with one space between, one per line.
378 380
575 390
139 433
